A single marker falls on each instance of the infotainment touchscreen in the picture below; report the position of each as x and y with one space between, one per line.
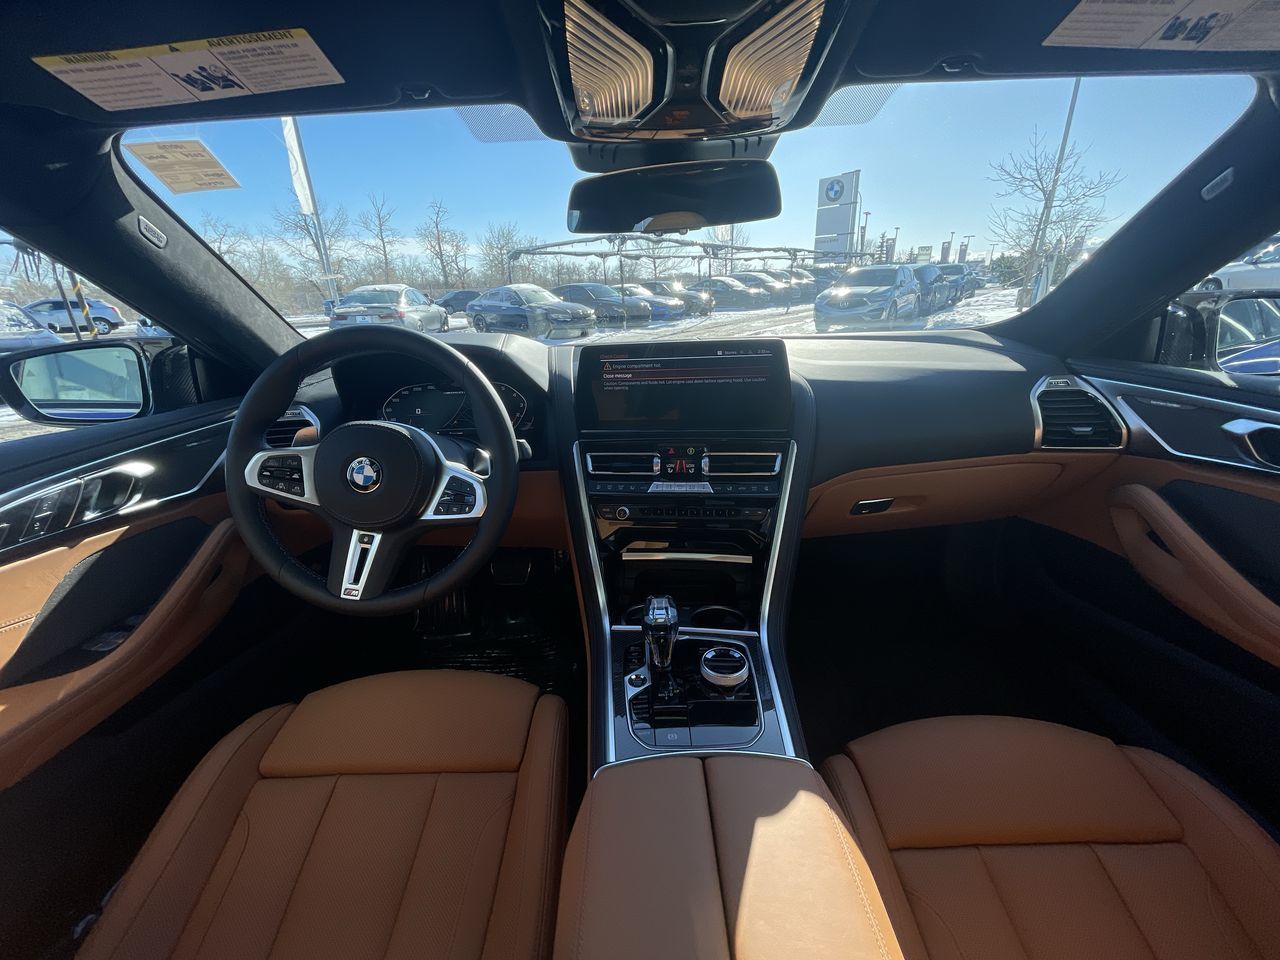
684 385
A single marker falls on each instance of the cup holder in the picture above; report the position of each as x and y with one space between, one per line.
715 616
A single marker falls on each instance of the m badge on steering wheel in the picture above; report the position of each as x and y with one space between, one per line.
364 475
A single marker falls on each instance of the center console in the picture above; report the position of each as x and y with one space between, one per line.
684 465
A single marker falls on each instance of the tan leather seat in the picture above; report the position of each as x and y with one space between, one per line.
997 837
415 814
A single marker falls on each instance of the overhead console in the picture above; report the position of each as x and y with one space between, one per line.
684 466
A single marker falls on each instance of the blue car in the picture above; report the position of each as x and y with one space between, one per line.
868 298
529 309
1249 336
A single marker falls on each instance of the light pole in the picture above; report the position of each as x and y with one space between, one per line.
895 242
965 242
1046 216
862 240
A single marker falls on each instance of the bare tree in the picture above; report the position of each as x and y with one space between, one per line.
730 236
496 246
379 239
1031 223
446 247
298 235
225 238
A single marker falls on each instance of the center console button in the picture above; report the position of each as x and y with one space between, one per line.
724 667
671 737
622 513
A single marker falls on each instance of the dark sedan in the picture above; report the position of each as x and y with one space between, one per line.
964 282
777 292
935 288
531 310
455 301
732 293
695 301
660 305
608 304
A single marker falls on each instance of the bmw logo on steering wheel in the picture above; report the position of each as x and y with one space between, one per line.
364 475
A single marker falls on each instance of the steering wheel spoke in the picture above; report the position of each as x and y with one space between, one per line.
285 474
459 496
362 562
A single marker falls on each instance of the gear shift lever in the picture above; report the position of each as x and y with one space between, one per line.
660 624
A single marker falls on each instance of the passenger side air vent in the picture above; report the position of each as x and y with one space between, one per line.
281 433
629 464
742 464
1071 417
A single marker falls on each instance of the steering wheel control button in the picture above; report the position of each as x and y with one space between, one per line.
283 474
724 667
364 474
458 498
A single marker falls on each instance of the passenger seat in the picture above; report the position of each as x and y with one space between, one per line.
999 837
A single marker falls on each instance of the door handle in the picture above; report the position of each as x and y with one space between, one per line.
1257 438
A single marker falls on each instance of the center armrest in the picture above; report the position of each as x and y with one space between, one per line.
733 855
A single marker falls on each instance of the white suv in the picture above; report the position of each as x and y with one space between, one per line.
1258 272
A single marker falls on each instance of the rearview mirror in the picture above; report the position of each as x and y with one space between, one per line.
675 196
76 383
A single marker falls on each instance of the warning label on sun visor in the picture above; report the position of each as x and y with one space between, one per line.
1171 25
211 69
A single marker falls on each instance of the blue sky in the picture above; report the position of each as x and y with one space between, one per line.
924 159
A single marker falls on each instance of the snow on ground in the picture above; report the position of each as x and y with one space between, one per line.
986 306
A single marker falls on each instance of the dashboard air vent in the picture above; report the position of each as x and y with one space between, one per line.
743 464
281 433
632 464
1071 417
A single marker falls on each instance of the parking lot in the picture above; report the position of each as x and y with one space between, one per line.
986 306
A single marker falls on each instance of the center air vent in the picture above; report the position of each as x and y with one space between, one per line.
742 464
281 433
632 464
1071 417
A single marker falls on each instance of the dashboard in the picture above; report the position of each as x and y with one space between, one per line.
444 407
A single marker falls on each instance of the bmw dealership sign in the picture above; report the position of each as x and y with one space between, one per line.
836 227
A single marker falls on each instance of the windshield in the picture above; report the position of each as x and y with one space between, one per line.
952 270
1021 180
371 296
635 290
869 278
537 295
13 320
600 291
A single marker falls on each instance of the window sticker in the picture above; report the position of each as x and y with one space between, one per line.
193 70
184 166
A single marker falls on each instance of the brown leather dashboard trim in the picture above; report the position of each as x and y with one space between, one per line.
949 491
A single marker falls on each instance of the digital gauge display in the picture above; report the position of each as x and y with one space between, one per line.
445 407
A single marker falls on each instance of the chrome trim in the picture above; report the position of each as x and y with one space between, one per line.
699 557
680 486
1065 381
308 457
707 461
736 679
1242 432
657 464
1143 430
770 576
295 411
703 753
352 585
593 559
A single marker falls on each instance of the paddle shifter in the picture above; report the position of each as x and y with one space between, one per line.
660 624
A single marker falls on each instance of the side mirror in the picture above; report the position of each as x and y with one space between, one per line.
76 383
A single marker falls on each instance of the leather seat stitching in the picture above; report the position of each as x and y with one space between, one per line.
185 830
293 888
924 901
586 869
213 916
715 854
471 868
1008 914
404 889
1121 897
838 828
548 879
1216 913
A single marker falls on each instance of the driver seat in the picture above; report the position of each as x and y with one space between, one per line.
414 814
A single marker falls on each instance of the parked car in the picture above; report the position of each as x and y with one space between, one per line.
826 276
867 298
609 305
1258 271
804 281
1249 334
778 293
146 327
392 303
732 293
529 309
20 330
661 306
455 301
695 301
52 312
964 281
935 288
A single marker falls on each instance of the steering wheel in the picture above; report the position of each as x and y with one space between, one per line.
377 484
